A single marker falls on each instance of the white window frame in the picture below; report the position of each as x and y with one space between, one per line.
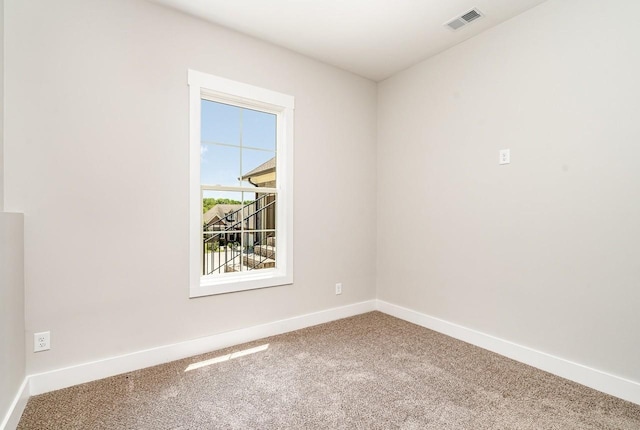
249 96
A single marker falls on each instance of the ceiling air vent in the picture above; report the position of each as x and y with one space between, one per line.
464 19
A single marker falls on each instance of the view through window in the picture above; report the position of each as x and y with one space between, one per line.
238 184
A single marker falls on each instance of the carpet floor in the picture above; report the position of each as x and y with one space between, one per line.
371 371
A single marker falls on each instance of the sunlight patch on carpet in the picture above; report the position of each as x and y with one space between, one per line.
227 357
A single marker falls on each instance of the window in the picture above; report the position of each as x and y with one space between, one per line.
241 191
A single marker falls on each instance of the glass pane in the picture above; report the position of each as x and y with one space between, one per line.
257 254
261 214
258 168
219 165
238 237
220 123
221 231
258 129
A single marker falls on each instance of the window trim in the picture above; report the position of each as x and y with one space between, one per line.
243 95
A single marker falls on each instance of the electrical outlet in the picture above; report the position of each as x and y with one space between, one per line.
505 156
41 341
339 288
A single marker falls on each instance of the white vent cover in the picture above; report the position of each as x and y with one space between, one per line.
464 19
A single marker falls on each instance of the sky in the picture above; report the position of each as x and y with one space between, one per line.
234 141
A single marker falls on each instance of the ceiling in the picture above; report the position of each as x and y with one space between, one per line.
372 38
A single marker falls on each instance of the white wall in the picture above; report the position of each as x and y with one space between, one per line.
97 143
2 105
544 251
12 326
12 345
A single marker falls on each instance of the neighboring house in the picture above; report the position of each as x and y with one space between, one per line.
264 176
221 216
225 218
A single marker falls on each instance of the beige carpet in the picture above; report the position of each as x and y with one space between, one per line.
371 371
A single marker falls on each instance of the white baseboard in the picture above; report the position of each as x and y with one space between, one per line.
11 420
86 372
593 378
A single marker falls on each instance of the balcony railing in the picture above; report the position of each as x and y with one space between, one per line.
227 243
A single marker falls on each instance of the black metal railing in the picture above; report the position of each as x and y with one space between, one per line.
222 241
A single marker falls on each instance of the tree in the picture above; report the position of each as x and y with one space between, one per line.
208 203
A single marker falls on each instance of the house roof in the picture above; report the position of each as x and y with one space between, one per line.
219 211
266 167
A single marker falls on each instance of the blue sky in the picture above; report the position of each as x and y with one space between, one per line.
234 141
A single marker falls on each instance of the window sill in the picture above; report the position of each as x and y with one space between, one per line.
232 283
